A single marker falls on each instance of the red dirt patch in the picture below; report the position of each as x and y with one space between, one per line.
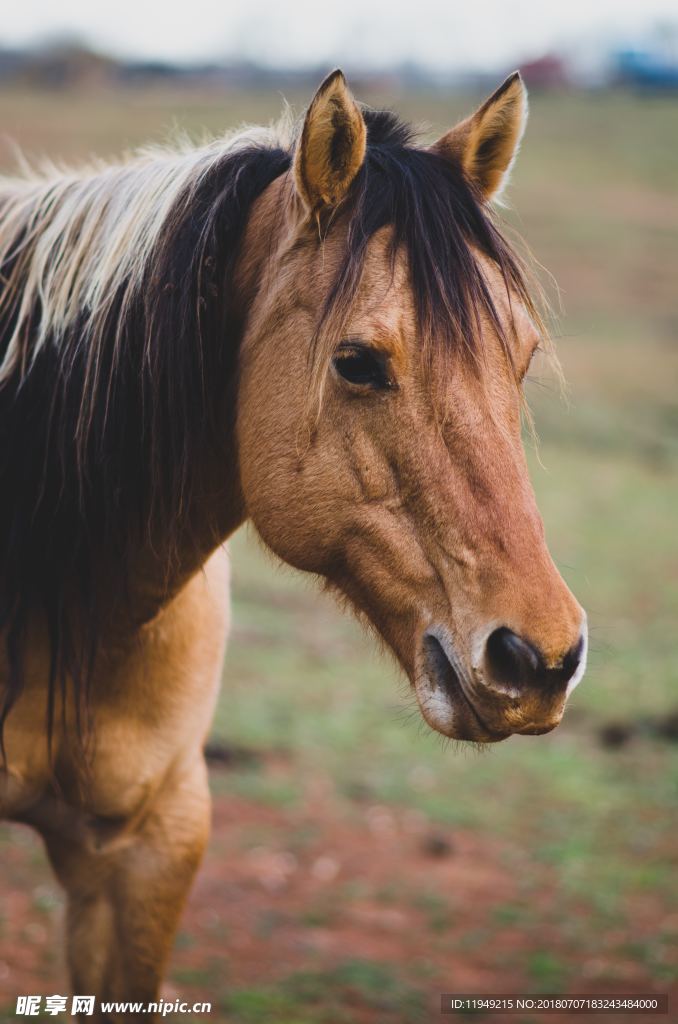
329 881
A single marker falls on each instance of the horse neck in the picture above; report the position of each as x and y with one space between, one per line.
217 506
159 569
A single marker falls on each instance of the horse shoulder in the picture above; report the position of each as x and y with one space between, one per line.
159 701
152 702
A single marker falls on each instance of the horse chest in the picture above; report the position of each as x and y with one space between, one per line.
150 709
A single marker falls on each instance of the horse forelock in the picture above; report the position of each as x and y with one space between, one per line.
445 231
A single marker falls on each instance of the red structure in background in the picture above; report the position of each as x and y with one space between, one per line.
547 72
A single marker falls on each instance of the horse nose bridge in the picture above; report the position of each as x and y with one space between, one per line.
525 591
502 507
509 574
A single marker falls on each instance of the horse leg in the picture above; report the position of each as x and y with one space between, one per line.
125 898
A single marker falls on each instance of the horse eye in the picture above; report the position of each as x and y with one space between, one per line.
360 364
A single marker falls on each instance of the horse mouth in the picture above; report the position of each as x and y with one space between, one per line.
444 702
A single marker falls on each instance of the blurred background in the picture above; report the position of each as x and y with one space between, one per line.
359 866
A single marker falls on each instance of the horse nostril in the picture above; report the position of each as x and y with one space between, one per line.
572 659
514 663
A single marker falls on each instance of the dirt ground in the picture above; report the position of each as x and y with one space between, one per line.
334 910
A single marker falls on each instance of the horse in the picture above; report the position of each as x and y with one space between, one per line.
317 328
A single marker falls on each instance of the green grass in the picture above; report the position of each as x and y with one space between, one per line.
328 997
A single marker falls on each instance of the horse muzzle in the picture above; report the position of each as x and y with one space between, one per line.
510 690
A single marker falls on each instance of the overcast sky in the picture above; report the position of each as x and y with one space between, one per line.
444 34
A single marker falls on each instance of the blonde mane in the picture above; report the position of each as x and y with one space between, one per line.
74 237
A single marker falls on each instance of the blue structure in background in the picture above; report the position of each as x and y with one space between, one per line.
645 69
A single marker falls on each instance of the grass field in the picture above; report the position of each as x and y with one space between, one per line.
359 866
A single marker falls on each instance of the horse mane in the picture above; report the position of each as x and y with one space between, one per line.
118 337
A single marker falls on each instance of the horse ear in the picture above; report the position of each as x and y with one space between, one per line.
486 143
331 149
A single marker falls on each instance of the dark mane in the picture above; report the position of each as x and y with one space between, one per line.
100 425
103 410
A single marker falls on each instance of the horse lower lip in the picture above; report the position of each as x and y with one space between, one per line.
442 675
537 730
